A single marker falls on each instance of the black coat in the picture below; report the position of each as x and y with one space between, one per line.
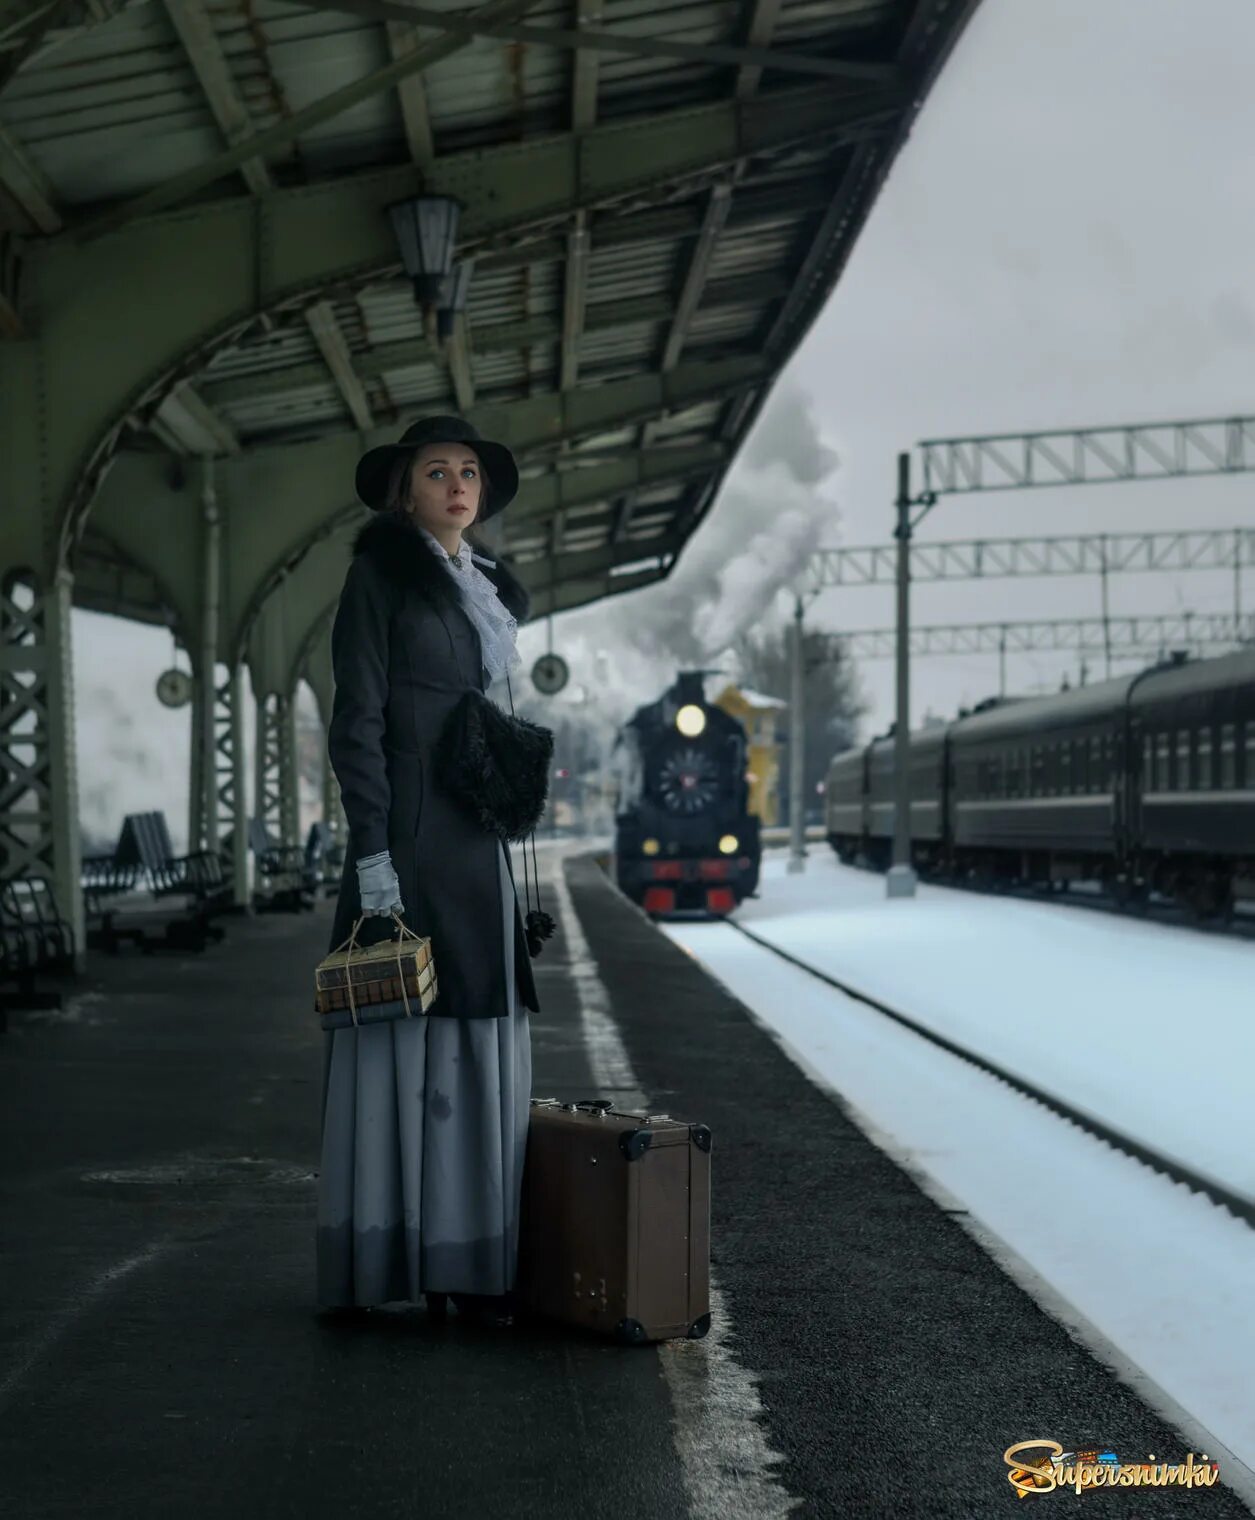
404 652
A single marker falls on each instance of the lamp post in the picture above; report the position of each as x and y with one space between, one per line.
797 744
901 880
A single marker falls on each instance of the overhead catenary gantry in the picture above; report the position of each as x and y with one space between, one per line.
1030 461
209 317
1148 636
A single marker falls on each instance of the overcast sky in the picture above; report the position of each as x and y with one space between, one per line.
1066 240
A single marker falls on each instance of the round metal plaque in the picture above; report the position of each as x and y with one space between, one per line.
550 674
174 688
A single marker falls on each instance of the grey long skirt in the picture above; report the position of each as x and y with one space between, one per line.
424 1130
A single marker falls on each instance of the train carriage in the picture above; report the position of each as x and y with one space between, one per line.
1192 808
1143 783
926 771
845 803
1034 784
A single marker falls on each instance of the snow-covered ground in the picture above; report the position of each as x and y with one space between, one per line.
1149 1027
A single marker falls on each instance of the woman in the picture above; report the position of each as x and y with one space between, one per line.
424 1119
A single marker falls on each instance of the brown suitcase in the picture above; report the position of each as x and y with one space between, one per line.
615 1227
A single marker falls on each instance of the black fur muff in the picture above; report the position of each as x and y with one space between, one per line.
496 765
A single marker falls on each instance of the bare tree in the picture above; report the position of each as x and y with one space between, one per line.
834 701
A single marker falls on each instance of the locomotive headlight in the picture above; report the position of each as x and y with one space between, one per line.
729 844
690 720
649 847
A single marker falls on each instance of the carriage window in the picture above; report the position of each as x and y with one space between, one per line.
1095 764
1246 775
1204 778
1148 763
1228 756
1162 779
1185 780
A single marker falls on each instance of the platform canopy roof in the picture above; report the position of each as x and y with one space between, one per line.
658 198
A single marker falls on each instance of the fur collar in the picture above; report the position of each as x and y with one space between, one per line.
403 556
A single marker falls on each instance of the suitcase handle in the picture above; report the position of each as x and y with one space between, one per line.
598 1106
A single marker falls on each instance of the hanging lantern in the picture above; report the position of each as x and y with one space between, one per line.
426 230
453 298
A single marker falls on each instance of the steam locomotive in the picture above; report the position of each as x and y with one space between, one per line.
1143 784
684 838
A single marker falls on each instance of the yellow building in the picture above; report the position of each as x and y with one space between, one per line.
761 717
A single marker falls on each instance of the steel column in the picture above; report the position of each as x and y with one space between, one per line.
203 828
900 881
229 801
39 829
797 744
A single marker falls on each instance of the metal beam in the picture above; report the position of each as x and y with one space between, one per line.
403 39
796 197
43 26
561 173
571 490
1074 554
325 327
1088 456
326 108
1129 636
589 569
188 425
200 42
716 216
761 28
500 337
28 186
458 358
714 53
278 253
573 300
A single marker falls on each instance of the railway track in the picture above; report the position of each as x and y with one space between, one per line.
1240 1207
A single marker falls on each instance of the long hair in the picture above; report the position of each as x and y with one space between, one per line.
397 496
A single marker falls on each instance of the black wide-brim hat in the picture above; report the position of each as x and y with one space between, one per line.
374 468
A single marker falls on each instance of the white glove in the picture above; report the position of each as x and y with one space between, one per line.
377 882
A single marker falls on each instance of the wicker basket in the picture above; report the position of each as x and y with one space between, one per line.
394 979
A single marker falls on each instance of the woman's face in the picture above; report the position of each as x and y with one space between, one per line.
445 487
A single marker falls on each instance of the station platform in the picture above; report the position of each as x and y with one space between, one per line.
160 1355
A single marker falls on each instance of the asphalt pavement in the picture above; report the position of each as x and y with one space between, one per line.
160 1355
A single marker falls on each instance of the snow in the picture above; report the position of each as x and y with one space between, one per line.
1144 1025
1150 1027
